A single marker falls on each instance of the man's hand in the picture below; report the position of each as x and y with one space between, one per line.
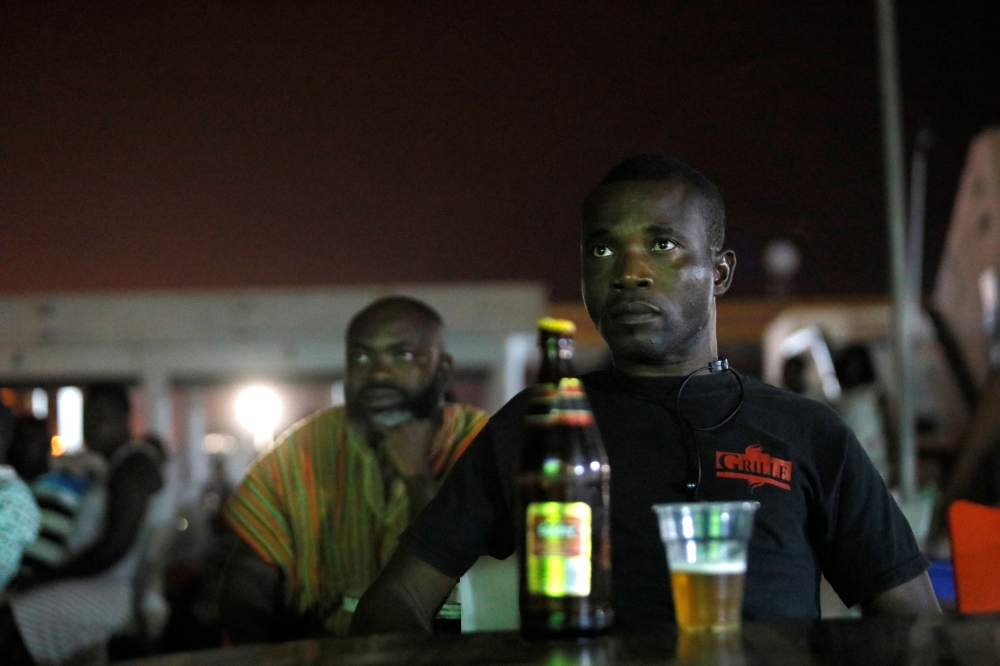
915 597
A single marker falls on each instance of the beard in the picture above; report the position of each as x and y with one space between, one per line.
414 404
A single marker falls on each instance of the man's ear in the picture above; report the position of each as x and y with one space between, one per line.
446 364
725 265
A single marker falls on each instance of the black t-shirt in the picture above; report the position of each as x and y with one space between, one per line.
823 506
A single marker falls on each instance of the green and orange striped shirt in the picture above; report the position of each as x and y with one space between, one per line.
316 506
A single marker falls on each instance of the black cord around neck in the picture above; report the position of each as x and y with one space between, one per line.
693 484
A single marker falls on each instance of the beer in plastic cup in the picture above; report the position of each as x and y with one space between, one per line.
706 544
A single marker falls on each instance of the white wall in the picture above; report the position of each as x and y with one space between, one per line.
157 338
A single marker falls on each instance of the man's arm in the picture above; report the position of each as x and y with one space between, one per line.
405 597
915 597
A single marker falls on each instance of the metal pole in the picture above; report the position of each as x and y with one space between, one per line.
892 143
915 227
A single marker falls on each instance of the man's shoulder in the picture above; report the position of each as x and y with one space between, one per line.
320 429
794 417
137 462
293 455
465 417
789 403
508 419
312 428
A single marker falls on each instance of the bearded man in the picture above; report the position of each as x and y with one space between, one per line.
319 515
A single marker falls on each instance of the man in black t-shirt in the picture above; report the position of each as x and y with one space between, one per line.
653 265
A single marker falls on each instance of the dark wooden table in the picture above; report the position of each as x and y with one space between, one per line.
880 642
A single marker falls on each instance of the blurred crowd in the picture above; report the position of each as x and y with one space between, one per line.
82 561
103 555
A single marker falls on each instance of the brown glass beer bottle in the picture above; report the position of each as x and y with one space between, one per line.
563 485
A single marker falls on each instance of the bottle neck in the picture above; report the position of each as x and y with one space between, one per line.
557 357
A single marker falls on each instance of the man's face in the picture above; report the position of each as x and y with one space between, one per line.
396 370
105 424
649 275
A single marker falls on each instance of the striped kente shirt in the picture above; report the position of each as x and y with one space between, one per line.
316 506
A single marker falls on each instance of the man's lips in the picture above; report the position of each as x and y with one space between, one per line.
381 398
633 313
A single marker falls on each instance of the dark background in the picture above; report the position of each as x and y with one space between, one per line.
181 144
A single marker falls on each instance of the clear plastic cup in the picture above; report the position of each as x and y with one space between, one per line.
706 544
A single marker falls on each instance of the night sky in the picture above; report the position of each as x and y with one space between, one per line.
180 144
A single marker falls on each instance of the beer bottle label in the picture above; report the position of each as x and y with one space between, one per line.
558 549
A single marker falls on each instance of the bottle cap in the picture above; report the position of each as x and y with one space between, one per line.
554 325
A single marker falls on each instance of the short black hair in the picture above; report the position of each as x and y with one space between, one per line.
662 167
117 393
430 315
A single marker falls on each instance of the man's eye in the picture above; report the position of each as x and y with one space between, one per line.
405 356
664 245
361 359
602 251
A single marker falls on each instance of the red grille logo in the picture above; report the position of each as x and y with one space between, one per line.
755 467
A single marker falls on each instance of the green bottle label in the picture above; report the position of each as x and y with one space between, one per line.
558 549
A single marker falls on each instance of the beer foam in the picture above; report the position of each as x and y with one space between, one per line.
712 568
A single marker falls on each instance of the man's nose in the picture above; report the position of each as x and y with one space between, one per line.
634 271
382 366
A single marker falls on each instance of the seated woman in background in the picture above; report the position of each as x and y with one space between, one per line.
70 493
59 493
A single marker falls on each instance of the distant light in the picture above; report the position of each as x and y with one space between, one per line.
58 448
337 394
40 403
69 421
258 409
219 443
8 397
782 259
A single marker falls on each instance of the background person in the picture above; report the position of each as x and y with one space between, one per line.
133 477
320 514
29 448
6 425
863 404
